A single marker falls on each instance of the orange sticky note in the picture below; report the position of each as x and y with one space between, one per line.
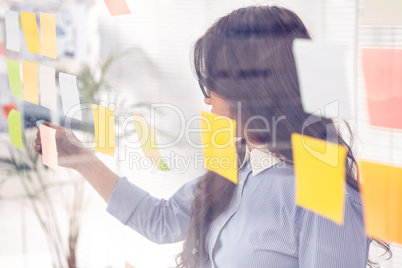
218 140
382 70
7 109
104 129
319 168
30 79
129 265
147 138
31 33
381 187
48 35
49 148
117 7
14 128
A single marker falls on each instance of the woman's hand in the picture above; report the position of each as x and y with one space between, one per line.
71 152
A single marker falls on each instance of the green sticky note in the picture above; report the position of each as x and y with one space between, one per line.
162 165
149 145
14 78
14 128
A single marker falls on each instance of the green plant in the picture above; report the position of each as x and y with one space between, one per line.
43 189
42 186
95 87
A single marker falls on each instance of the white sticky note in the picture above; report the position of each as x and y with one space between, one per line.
12 31
381 12
323 81
69 95
47 82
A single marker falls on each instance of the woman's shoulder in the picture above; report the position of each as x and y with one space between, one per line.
352 195
282 184
282 177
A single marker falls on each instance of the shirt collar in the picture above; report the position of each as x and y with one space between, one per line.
260 159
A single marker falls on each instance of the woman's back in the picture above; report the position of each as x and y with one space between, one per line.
262 226
265 228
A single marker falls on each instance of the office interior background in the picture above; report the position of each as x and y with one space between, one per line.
149 51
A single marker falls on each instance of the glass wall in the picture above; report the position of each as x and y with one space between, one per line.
140 62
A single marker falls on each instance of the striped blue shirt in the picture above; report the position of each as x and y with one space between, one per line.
263 226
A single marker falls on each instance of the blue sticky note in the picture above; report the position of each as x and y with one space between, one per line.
39 122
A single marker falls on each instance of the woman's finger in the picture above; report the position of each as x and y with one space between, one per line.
38 141
38 148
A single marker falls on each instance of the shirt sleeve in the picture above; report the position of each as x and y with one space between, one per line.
323 243
159 220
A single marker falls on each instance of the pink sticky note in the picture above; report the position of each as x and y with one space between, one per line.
382 69
49 149
117 7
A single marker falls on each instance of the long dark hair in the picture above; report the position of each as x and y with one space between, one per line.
246 58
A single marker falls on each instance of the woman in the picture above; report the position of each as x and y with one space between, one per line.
244 61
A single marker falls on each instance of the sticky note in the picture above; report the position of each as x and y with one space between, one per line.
382 69
47 81
31 33
48 35
30 79
381 187
323 78
14 128
147 138
382 12
320 174
104 129
70 96
129 265
49 148
7 109
39 122
12 31
14 78
218 139
117 7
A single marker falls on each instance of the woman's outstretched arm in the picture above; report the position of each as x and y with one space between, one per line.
162 221
72 154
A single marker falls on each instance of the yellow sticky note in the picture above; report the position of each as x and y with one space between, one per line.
320 173
30 79
104 129
48 35
49 149
217 134
31 33
129 265
14 128
147 137
381 187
